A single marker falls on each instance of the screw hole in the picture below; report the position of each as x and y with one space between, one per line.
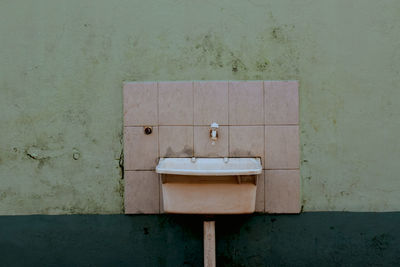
148 130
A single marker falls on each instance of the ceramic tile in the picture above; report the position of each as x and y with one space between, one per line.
260 193
246 103
246 141
175 103
176 141
140 104
203 146
282 147
140 150
282 191
281 102
210 102
142 192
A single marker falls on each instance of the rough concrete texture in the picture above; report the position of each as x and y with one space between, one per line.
63 64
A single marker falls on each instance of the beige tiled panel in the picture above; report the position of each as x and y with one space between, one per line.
246 141
260 193
282 191
140 150
140 104
210 102
203 145
176 141
175 103
282 147
281 102
246 100
142 192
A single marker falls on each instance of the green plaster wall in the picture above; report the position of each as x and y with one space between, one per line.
63 64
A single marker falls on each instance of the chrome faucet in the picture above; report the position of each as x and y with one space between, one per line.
214 132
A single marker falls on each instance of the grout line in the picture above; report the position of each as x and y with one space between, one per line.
141 170
264 190
158 120
264 110
292 169
264 100
281 125
206 125
193 116
229 131
265 153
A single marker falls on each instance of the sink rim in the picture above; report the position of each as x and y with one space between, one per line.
240 168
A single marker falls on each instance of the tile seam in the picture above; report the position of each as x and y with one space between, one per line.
158 144
193 152
229 130
247 125
265 153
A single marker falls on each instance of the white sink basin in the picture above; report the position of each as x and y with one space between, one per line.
209 185
209 166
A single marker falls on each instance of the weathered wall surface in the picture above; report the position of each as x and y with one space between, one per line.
63 64
310 239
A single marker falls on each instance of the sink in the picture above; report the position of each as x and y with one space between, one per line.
209 166
209 185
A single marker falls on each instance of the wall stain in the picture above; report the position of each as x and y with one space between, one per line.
38 154
211 50
380 242
237 65
79 115
243 153
281 33
7 193
270 58
121 164
186 151
262 65
120 189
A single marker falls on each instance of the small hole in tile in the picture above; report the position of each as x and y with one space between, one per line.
148 130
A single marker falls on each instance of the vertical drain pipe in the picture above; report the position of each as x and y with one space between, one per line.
209 244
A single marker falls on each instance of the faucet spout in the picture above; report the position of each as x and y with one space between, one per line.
214 132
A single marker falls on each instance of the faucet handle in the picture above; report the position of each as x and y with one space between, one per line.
214 125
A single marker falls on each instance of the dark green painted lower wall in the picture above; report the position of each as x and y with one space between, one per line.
309 239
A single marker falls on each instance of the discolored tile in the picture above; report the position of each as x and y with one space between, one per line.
140 103
140 150
210 102
282 191
175 103
176 141
246 141
260 193
246 103
142 192
281 102
203 146
282 147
